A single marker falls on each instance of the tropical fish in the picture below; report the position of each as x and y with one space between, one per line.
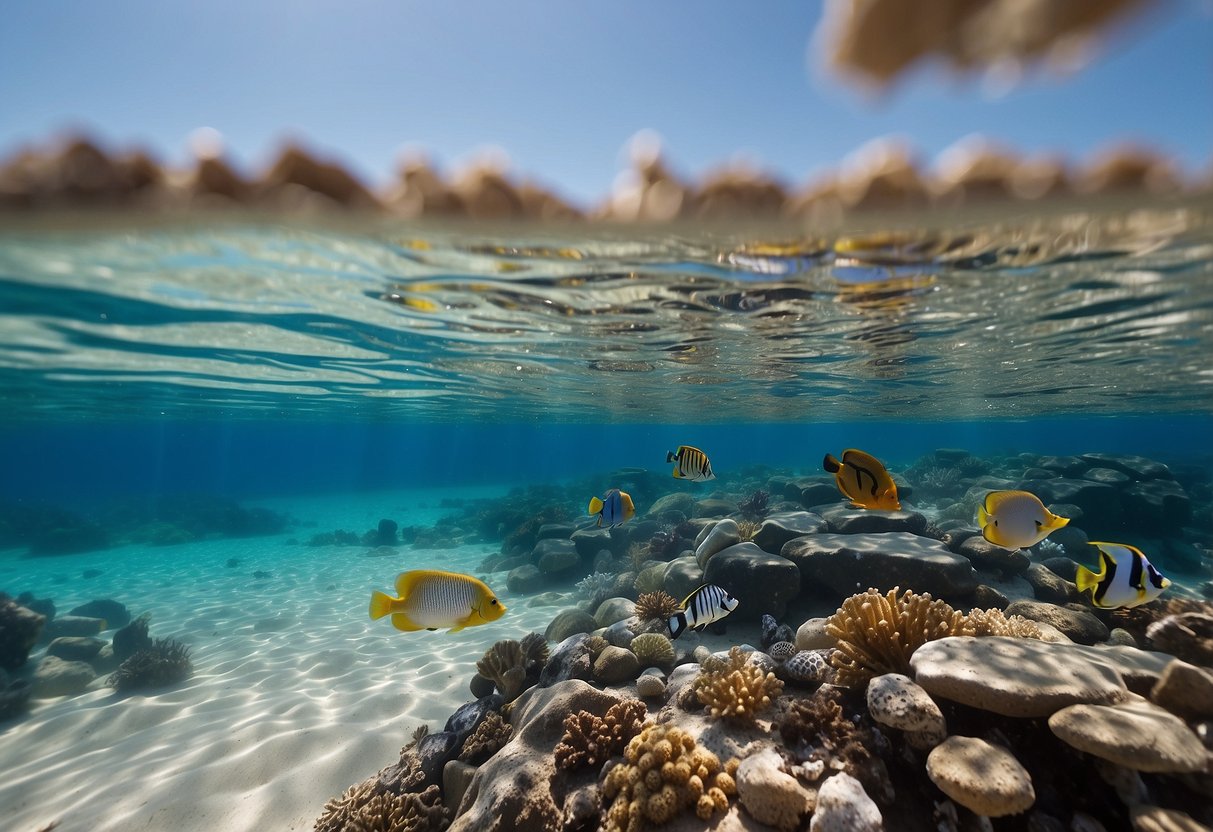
703 606
863 480
1016 519
614 509
690 464
1126 578
430 598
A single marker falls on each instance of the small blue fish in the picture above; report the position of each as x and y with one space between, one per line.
614 509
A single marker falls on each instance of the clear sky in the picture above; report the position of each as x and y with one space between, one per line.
559 85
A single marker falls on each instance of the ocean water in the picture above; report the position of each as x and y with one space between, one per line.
188 403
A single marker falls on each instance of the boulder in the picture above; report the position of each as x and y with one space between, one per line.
842 519
812 635
988 556
1078 624
570 622
777 529
761 582
898 702
1048 585
769 795
810 493
682 576
614 609
615 665
112 612
75 648
525 579
843 806
1145 818
1137 735
1156 506
72 625
57 677
986 779
467 718
556 557
1185 689
570 659
1100 503
1108 476
1137 467
714 508
1066 466
849 563
721 536
679 501
591 541
19 631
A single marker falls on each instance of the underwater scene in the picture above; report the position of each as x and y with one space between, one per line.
363 525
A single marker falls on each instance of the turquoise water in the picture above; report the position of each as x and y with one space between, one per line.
182 395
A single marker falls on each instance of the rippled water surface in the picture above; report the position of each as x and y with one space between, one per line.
1071 314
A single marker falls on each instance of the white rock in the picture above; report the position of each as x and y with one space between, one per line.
896 701
843 806
812 635
768 794
723 535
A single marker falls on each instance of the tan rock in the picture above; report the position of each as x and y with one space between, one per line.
296 166
1138 735
1158 819
1185 689
984 778
896 701
769 794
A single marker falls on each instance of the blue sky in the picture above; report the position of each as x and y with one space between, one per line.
560 86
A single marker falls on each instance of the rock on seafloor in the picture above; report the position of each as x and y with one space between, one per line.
769 795
849 563
843 806
1136 735
761 582
984 778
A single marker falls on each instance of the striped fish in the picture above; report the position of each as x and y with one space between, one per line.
1126 577
703 606
429 599
690 464
614 509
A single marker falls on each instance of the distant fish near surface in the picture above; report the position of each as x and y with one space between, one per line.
1126 578
690 464
614 509
863 480
429 599
703 606
1016 519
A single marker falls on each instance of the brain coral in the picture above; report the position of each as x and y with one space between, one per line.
653 649
877 633
589 740
665 773
736 688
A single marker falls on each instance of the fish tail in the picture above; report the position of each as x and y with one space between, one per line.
831 464
678 624
669 456
595 506
381 604
1085 579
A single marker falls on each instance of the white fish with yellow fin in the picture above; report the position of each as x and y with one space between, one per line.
430 598
1126 577
1016 519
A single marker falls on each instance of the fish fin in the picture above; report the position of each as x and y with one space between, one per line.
677 624
595 506
687 600
991 533
831 464
669 456
406 580
996 498
403 623
1085 579
456 628
983 516
676 473
1057 522
381 604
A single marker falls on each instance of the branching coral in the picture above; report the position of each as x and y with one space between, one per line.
665 773
589 740
736 689
368 807
877 633
656 606
994 622
505 665
166 662
490 735
754 507
746 529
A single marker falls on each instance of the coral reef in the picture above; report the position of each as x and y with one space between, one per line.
656 606
878 633
653 649
994 622
589 740
490 735
736 689
369 807
820 728
754 507
535 652
504 664
166 662
665 772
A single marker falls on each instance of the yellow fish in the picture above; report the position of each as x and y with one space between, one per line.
1016 519
1126 578
430 598
863 480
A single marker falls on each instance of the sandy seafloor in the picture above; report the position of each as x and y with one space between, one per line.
296 693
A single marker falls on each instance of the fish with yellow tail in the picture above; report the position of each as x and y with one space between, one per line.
614 509
863 480
1016 519
690 464
699 609
1126 578
429 599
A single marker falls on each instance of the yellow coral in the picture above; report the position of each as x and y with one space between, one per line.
656 784
877 634
736 689
994 622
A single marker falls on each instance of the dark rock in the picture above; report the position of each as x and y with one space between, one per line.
715 508
1187 636
261 575
1048 585
1066 466
591 541
57 677
985 555
956 537
570 659
75 648
773 632
1137 467
132 638
113 613
570 622
434 751
816 494
1110 476
1159 506
14 695
778 529
1100 503
758 580
43 606
72 625
524 579
624 586
19 631
480 687
91 573
1080 625
845 520
385 533
556 557
849 563
682 576
1038 473
232 563
468 717
1073 539
987 597
559 531
1064 568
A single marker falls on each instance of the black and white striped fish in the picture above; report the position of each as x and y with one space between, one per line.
690 464
703 606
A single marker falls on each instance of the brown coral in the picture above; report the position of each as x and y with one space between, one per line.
368 807
505 664
656 606
822 727
736 689
877 633
665 772
535 650
994 622
490 735
589 740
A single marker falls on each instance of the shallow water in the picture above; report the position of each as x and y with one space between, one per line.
159 375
